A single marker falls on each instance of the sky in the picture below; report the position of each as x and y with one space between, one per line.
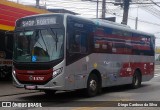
148 16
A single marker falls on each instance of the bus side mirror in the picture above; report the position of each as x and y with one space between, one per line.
9 41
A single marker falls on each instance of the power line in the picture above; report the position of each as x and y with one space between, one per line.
120 3
113 14
138 20
152 11
155 3
142 6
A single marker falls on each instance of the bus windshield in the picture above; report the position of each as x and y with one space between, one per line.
42 45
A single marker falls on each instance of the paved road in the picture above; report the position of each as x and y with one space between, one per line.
148 92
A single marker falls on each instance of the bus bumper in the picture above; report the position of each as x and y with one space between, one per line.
48 86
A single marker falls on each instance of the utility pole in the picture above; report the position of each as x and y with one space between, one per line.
45 4
37 3
97 9
136 25
103 8
125 11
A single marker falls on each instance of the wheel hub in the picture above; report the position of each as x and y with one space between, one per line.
93 85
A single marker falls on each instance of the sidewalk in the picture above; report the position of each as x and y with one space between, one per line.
7 89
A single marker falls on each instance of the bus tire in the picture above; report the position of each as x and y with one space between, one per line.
50 92
136 81
92 85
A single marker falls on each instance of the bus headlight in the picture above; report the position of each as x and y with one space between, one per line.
14 72
57 72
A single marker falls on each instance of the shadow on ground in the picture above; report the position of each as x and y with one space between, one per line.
79 94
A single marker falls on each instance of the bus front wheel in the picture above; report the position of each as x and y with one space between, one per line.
136 81
92 85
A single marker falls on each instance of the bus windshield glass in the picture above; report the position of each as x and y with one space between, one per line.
42 45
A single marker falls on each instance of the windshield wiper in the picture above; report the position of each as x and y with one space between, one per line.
43 40
56 38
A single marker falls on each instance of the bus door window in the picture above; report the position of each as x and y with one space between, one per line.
75 43
77 46
78 43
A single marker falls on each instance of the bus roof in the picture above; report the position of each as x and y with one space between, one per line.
119 26
98 22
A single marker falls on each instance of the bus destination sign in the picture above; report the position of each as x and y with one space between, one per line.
38 21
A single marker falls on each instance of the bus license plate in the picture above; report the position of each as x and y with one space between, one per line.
30 87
